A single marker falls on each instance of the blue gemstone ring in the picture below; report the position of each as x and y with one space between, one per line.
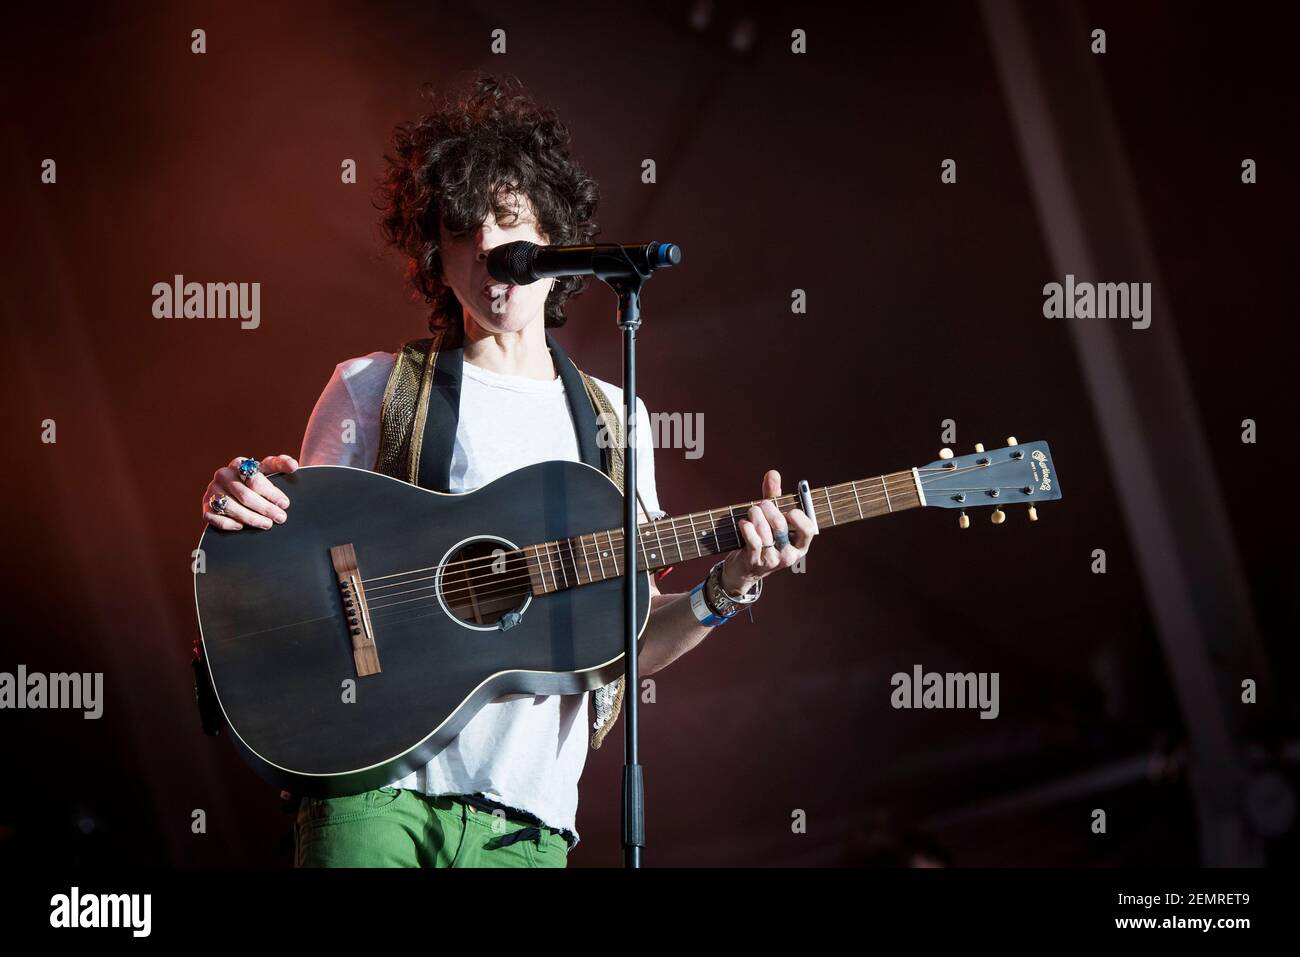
248 468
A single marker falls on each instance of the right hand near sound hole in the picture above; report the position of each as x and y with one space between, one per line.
256 502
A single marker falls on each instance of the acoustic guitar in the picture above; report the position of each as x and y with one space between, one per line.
348 646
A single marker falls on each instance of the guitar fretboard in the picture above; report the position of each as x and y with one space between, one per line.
597 556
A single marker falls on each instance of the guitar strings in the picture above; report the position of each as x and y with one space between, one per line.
900 481
790 499
584 551
725 539
558 561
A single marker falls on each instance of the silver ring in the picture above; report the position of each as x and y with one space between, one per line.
248 467
218 503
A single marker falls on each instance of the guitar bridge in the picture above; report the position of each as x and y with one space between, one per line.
356 609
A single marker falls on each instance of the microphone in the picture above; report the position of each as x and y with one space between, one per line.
520 263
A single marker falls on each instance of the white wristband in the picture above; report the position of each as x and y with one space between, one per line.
703 614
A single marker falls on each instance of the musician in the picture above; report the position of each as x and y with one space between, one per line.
480 169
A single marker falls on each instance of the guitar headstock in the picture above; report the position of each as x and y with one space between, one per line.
1016 473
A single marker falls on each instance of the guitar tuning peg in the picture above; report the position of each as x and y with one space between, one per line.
979 446
963 521
1033 514
1011 440
945 453
999 516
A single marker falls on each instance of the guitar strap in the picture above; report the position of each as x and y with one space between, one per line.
418 421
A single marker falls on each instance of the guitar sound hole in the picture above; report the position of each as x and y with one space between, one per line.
482 580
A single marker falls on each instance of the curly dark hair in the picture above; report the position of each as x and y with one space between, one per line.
473 151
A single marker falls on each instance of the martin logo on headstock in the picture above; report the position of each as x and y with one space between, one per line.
1016 473
1045 482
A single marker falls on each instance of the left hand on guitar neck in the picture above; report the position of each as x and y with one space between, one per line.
744 568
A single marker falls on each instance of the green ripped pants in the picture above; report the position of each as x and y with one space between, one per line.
391 827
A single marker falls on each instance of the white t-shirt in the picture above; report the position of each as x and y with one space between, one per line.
524 751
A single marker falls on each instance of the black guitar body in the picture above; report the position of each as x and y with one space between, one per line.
279 648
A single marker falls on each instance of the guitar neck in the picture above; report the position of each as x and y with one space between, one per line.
597 556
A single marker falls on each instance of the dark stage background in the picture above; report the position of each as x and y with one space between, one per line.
776 171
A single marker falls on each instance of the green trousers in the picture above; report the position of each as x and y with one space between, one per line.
392 827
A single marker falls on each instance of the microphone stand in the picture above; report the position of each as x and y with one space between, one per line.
617 270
